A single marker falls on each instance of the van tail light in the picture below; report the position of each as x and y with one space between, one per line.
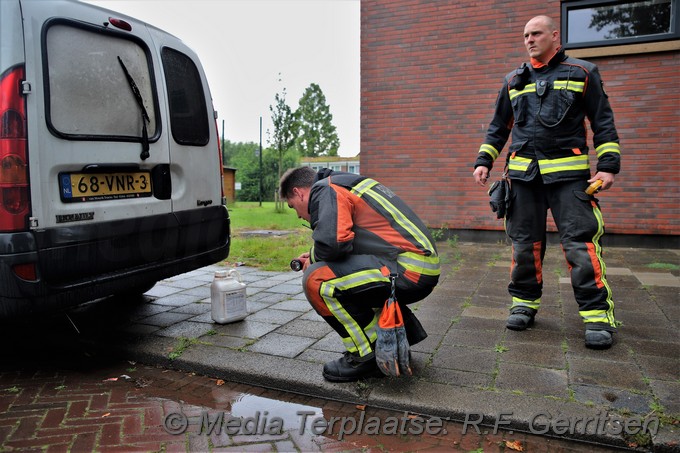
14 187
26 271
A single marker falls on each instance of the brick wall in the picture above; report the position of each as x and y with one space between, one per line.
430 72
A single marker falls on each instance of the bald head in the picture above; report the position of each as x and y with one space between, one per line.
541 38
545 21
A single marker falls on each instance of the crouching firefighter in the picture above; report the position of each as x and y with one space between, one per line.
362 233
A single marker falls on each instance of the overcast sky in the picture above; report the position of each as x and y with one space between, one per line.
252 49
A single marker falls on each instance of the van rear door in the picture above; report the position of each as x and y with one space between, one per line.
99 110
195 163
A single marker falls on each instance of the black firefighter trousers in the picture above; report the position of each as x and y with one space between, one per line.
349 295
579 222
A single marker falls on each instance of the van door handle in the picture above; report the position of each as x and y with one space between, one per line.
161 182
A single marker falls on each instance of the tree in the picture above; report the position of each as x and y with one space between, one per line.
317 135
623 21
234 153
285 133
243 157
270 164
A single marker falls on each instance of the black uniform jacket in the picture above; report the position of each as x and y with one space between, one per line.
545 109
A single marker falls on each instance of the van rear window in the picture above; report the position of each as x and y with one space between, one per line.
88 91
188 114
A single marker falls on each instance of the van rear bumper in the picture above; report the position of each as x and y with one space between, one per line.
79 263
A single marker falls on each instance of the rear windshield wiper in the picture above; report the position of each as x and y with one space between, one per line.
145 115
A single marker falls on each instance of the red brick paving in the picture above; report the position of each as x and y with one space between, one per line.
122 408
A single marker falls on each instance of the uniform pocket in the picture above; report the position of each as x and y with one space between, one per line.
517 146
570 146
581 221
583 196
519 108
555 106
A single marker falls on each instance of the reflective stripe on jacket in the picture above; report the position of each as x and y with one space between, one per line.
352 214
545 110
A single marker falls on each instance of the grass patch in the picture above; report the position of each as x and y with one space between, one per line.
500 348
246 215
664 266
267 253
182 344
438 234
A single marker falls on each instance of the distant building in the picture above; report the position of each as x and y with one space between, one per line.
229 183
336 163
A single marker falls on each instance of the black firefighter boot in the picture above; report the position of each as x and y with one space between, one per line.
350 367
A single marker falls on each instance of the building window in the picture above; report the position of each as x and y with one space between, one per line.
589 23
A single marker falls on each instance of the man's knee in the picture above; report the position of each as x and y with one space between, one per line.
317 280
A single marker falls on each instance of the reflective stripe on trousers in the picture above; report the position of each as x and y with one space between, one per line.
349 295
580 225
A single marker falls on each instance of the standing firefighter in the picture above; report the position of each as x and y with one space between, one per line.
362 234
544 104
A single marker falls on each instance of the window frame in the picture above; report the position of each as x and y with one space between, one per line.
195 105
569 5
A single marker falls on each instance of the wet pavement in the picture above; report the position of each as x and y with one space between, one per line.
88 403
470 370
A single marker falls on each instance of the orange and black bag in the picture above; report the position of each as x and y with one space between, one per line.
392 351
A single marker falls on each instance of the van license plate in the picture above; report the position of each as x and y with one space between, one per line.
77 187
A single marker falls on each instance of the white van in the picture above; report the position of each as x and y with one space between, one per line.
110 167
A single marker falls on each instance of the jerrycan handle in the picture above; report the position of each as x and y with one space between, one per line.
233 273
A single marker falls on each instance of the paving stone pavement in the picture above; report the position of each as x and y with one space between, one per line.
470 365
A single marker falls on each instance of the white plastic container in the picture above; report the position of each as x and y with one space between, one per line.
228 297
